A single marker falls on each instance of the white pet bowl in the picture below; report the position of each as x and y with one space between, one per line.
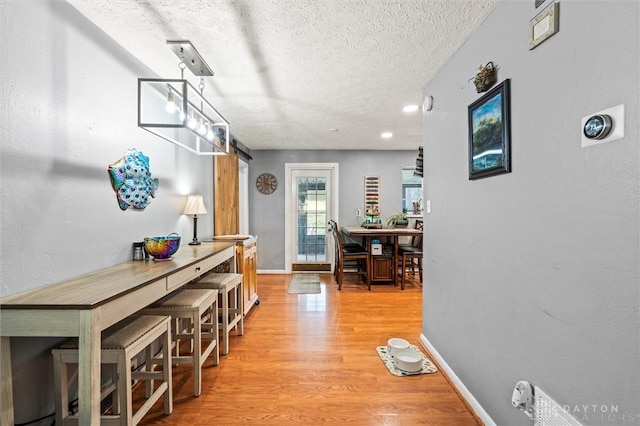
396 344
408 360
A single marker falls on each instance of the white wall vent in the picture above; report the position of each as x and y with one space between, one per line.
547 412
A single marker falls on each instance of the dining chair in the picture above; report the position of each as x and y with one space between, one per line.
351 247
333 225
411 253
346 253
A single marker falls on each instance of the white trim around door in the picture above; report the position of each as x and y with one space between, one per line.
290 191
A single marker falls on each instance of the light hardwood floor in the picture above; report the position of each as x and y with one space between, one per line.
311 359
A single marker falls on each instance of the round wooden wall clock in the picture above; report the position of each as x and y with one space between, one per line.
266 183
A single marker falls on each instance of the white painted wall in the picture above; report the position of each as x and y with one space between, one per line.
534 275
68 108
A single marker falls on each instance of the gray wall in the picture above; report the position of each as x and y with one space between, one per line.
534 275
68 100
267 211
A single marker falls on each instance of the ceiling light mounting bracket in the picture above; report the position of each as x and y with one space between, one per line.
188 54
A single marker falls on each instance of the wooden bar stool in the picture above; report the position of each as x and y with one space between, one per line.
410 253
119 347
230 306
190 311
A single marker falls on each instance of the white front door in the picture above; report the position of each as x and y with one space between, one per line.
310 203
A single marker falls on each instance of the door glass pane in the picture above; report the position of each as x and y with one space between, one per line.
312 219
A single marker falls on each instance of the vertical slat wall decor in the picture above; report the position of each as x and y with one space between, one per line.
371 194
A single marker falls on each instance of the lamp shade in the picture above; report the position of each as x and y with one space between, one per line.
195 205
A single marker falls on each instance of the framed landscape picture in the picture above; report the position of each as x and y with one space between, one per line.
490 133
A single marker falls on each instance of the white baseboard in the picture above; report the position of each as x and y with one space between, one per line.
468 396
272 271
285 272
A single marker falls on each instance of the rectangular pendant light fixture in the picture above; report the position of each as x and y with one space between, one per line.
177 112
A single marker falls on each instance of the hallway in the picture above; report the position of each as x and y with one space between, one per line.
311 359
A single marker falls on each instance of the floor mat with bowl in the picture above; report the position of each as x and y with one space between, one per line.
387 359
304 284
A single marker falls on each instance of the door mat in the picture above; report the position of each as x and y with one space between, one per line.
427 366
304 284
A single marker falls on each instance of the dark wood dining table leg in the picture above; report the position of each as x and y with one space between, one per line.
395 260
367 246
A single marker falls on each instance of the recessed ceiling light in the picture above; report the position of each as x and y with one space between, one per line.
333 129
386 135
410 108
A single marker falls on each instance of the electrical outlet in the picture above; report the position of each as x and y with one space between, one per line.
358 212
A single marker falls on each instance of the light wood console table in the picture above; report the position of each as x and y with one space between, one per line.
84 306
381 272
247 265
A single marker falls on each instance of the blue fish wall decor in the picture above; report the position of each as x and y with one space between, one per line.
131 179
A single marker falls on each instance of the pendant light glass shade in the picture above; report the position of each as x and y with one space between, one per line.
182 123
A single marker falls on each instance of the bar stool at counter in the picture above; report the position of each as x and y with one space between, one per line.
408 253
119 347
190 311
230 306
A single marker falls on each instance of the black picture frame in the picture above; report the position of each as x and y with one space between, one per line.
490 133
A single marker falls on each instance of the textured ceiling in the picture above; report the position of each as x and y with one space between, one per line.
288 71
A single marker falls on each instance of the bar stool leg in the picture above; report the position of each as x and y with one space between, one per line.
166 372
237 296
148 366
197 343
124 382
225 323
60 380
214 327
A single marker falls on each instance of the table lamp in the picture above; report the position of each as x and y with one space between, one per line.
195 206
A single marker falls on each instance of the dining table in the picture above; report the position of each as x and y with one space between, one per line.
85 305
392 234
